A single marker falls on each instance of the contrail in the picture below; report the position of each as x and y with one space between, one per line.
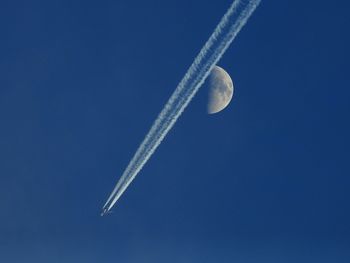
225 32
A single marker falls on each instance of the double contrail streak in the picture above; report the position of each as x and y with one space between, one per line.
225 32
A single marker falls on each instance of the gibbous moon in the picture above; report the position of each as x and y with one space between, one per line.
220 90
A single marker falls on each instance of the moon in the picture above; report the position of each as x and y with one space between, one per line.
220 90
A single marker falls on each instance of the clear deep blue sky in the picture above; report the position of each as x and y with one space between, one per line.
266 180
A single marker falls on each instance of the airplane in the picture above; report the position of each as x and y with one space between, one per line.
105 211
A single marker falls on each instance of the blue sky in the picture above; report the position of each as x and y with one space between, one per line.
266 180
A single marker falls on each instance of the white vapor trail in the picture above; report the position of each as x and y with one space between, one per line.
225 32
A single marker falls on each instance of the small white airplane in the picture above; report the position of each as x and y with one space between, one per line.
105 211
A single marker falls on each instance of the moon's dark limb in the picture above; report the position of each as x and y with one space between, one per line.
220 90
